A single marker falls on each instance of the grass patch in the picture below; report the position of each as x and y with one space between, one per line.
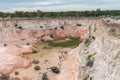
70 43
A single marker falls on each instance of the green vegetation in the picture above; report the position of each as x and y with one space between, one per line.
44 76
36 61
70 43
4 77
87 78
67 14
37 67
87 42
90 60
55 69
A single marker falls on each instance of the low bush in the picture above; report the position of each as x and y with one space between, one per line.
4 77
34 51
62 27
87 42
16 73
78 24
55 70
37 67
90 60
44 76
36 61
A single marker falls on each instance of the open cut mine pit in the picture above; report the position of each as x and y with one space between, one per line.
59 49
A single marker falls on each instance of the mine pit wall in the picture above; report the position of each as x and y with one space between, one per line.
106 60
31 29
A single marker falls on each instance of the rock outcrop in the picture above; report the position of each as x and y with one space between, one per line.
11 58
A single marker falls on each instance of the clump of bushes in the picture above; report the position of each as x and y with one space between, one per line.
55 69
36 61
4 77
37 67
19 27
44 76
90 60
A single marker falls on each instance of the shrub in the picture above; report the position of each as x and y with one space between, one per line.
44 76
78 24
41 26
28 44
51 36
90 60
86 78
16 73
35 61
19 27
34 51
4 77
16 25
55 70
5 44
87 42
55 28
37 67
62 27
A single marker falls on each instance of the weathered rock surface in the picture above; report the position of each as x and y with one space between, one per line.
11 58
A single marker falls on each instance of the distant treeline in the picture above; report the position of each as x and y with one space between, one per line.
67 14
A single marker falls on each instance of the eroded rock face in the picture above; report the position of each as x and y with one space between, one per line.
105 61
21 32
11 58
